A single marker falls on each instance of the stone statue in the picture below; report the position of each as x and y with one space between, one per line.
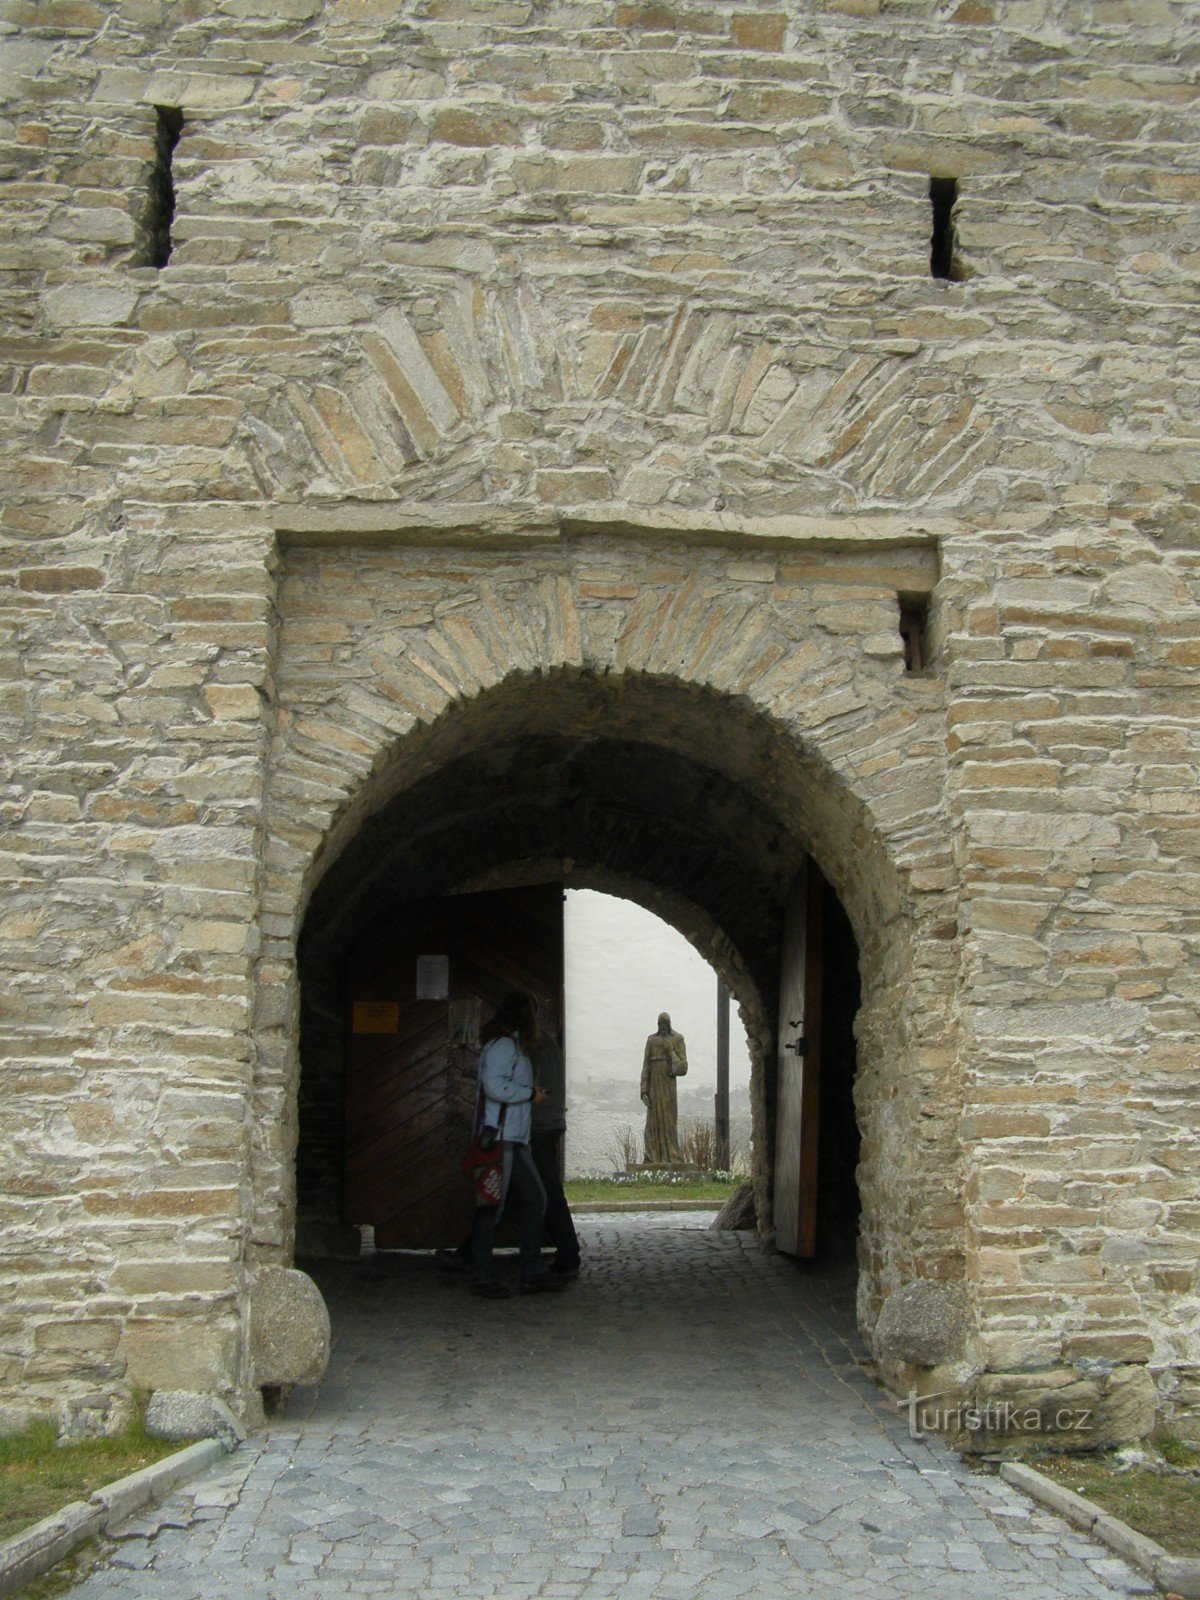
664 1061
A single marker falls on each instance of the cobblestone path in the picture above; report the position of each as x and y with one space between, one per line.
686 1420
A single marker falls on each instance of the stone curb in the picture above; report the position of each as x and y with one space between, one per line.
1178 1574
583 1207
27 1555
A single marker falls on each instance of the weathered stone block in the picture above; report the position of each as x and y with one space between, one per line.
1178 1575
574 486
738 1212
289 1328
328 308
184 1414
174 1354
100 305
923 1324
1062 1409
760 30
475 129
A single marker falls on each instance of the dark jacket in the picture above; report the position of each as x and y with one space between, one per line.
550 1074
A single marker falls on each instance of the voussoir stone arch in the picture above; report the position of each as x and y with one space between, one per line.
343 742
418 393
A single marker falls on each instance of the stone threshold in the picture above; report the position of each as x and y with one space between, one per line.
28 1555
1179 1575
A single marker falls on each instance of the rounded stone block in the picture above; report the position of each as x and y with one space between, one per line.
924 1323
289 1328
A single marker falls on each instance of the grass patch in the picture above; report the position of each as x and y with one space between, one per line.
584 1190
1165 1507
38 1478
1174 1450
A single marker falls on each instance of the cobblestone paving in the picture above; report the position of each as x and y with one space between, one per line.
686 1420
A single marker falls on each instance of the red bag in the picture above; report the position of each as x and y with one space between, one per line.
484 1160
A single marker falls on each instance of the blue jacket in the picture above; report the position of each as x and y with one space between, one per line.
506 1075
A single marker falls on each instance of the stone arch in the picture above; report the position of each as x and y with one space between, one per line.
401 399
703 682
721 732
421 687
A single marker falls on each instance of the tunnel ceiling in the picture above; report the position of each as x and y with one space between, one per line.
603 807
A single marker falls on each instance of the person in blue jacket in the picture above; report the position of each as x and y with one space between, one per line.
507 1086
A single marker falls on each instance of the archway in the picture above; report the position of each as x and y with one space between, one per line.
697 805
622 967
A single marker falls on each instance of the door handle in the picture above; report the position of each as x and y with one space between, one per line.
800 1046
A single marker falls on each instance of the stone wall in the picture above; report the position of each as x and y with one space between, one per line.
613 322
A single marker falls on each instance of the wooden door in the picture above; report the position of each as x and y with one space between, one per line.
798 1104
420 982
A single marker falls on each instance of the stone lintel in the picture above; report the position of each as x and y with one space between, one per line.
877 532
386 522
913 540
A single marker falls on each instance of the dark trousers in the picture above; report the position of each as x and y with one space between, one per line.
559 1224
521 1181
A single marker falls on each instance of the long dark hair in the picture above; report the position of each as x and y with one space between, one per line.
517 1013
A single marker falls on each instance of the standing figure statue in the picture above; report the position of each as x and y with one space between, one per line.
664 1061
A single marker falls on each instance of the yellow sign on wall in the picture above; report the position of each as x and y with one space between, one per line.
376 1016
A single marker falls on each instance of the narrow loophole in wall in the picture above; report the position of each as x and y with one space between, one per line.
914 624
160 199
943 194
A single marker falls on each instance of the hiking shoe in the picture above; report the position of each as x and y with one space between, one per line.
492 1291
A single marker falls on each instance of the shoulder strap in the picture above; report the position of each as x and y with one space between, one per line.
480 1102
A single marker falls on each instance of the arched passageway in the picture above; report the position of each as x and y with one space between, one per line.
693 803
388 1068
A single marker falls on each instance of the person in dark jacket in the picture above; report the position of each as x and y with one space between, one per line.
549 1128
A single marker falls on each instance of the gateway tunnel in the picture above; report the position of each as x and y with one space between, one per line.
450 890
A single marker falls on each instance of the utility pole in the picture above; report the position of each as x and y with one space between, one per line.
722 1095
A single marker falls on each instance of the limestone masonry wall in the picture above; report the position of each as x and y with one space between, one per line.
550 359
